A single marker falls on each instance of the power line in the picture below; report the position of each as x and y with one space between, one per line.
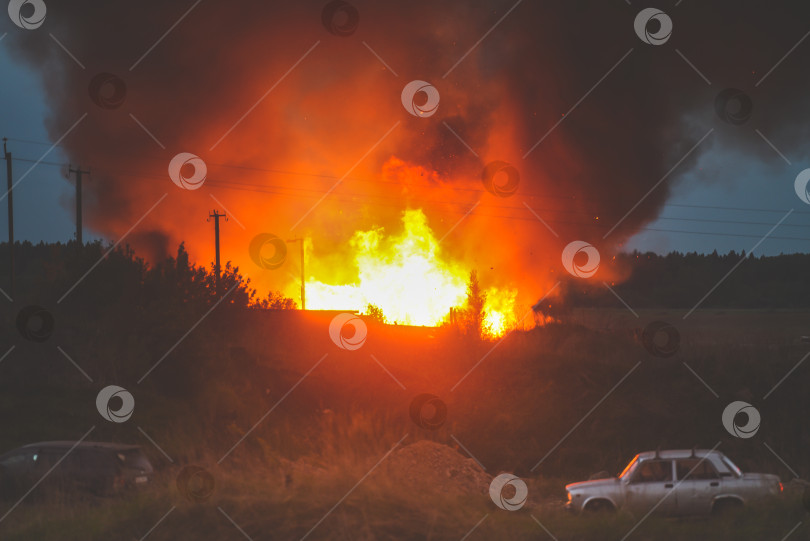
568 222
743 209
351 198
271 190
269 187
381 181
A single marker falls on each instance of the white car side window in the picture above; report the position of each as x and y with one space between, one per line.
653 471
695 468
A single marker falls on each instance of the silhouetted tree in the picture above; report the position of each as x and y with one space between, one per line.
275 300
374 313
471 317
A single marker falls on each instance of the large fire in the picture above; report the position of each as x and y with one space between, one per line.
279 116
407 277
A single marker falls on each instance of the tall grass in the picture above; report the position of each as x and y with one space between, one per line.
328 493
306 465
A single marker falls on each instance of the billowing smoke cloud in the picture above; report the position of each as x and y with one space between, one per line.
280 110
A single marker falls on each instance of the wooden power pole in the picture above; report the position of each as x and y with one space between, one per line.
79 173
10 219
216 216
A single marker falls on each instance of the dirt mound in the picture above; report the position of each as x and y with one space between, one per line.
428 465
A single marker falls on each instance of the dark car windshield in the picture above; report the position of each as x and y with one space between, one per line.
134 459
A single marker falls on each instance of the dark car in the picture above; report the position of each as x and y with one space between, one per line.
95 467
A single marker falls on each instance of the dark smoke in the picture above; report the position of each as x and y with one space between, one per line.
321 119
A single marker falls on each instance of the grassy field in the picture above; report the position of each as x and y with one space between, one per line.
262 506
317 466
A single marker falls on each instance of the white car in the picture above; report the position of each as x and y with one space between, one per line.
674 483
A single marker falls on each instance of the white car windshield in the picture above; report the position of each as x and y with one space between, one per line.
733 467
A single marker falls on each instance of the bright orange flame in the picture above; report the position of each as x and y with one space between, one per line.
406 277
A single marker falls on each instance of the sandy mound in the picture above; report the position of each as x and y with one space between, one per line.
428 465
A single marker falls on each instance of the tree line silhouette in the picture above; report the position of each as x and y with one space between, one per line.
678 280
46 271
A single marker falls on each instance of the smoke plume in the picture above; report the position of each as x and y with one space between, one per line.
303 130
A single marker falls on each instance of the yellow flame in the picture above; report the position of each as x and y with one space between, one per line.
500 308
406 277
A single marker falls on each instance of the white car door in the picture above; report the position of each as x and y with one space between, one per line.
651 488
696 486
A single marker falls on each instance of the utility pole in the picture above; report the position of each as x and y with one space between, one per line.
10 219
303 275
79 174
216 216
